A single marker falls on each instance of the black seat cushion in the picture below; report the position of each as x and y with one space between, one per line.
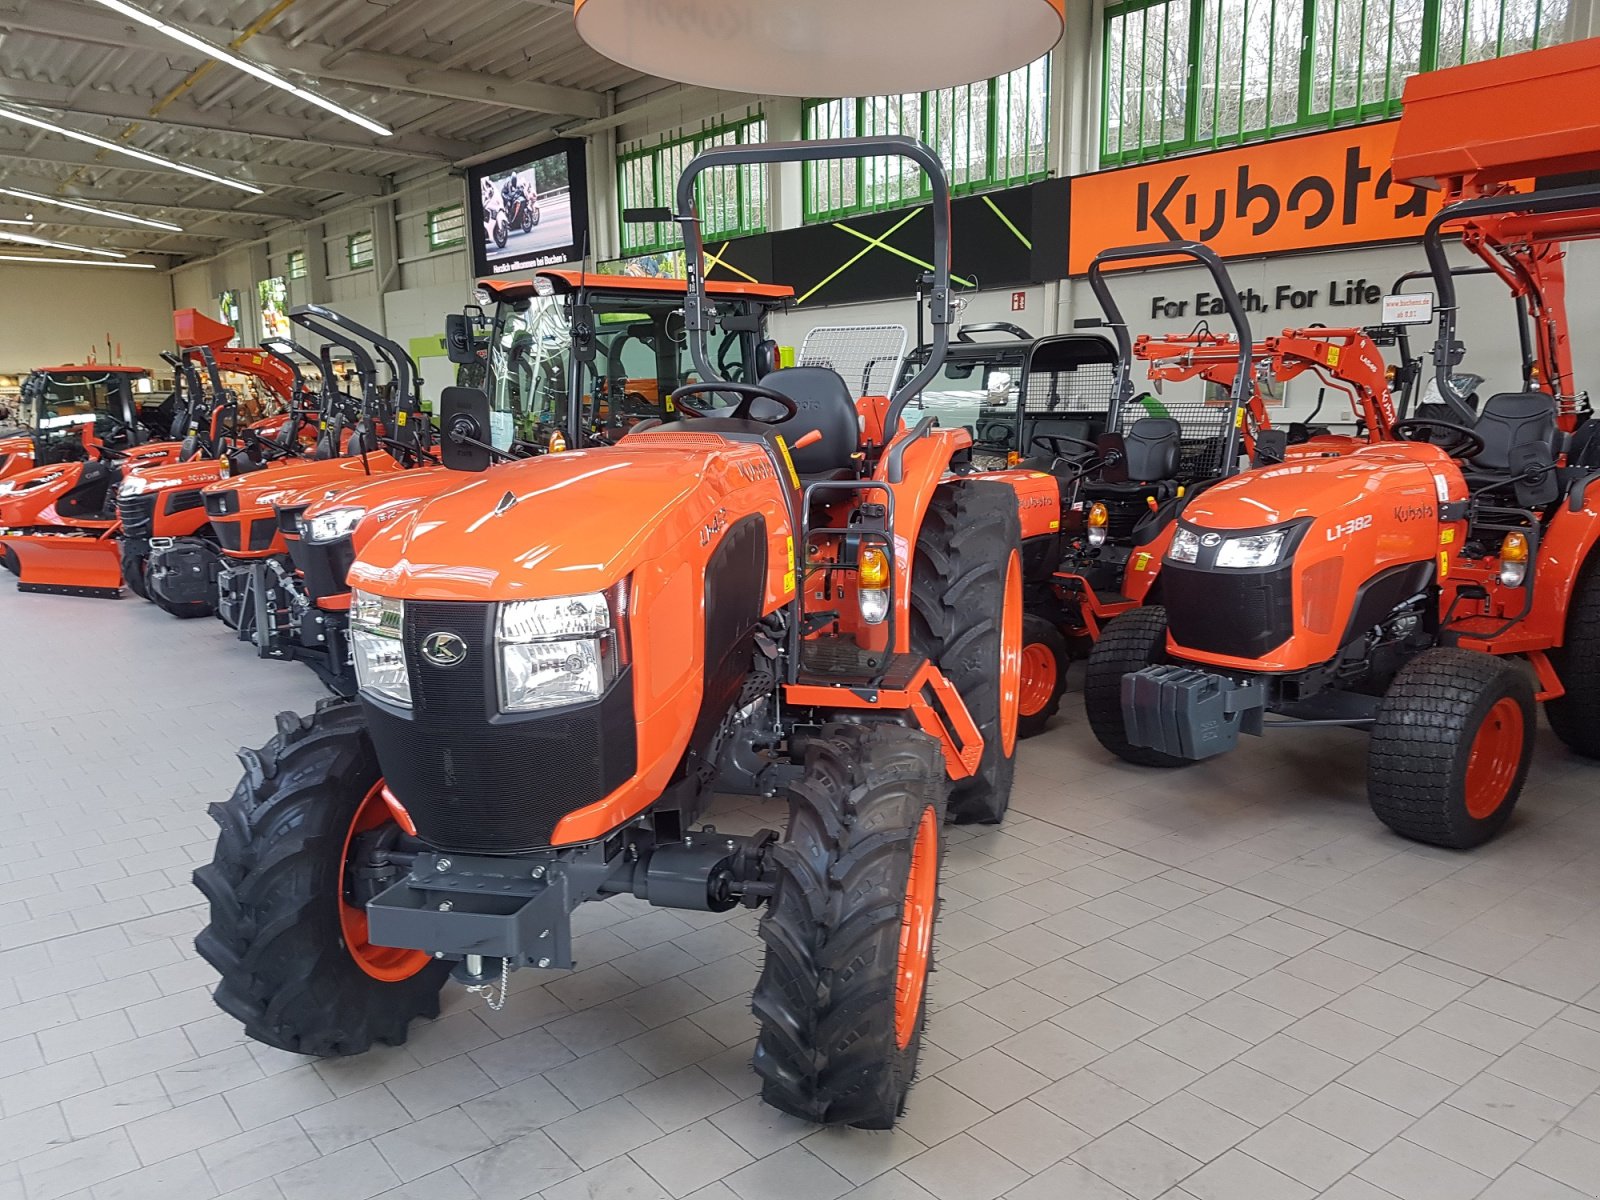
1149 452
1517 428
825 405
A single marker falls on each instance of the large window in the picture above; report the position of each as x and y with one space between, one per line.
732 203
447 227
1193 74
990 135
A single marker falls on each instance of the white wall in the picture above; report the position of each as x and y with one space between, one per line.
51 315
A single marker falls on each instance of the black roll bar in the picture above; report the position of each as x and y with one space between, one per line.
1122 387
696 309
399 362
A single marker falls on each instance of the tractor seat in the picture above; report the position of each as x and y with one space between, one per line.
826 406
1520 434
1143 461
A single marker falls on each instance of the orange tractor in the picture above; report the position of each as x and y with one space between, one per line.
560 660
57 509
1432 589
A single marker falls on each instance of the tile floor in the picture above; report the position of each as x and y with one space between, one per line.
1224 983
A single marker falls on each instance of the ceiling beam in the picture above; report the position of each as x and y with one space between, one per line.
121 106
156 197
203 225
313 61
53 149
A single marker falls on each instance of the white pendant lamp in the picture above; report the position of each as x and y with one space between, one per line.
822 47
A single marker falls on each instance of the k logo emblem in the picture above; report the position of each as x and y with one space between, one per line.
444 649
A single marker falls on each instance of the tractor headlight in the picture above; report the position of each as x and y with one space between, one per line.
557 652
134 485
376 623
1514 559
1253 549
7 487
1185 546
330 526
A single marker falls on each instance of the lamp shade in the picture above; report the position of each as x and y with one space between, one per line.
822 47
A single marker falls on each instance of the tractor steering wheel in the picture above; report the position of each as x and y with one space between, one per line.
1464 443
1053 442
750 393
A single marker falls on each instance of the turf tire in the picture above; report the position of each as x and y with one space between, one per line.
274 887
1575 717
1036 631
958 584
828 1049
1422 742
1130 643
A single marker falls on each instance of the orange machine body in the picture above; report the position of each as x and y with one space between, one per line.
241 509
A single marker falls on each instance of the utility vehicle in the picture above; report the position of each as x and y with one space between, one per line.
1429 591
561 659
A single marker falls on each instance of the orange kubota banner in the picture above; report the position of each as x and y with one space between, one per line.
1301 193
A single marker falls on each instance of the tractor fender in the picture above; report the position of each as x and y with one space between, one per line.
1567 550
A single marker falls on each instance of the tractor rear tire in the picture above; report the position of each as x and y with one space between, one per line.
135 568
842 997
966 617
1130 643
1045 656
1575 717
1450 747
280 931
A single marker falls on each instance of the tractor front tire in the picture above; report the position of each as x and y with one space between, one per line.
135 568
966 617
1045 656
1130 643
842 997
1450 747
1575 717
291 952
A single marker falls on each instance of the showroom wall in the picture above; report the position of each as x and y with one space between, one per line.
54 313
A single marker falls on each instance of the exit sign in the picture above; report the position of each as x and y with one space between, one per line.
1019 301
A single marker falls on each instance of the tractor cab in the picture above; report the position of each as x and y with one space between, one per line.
570 358
74 411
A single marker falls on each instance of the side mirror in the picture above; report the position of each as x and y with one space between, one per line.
464 435
1272 447
459 343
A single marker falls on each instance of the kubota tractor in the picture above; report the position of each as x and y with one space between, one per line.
1427 591
571 359
562 659
57 510
162 507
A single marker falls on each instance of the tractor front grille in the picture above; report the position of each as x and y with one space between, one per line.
184 501
229 533
222 504
1235 612
137 514
479 781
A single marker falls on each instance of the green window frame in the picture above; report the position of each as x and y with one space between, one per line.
732 202
359 250
294 264
447 227
1185 75
991 134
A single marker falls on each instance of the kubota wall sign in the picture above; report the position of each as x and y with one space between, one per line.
1314 192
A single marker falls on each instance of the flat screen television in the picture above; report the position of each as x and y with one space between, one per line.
529 209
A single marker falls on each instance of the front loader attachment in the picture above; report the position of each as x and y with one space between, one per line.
66 563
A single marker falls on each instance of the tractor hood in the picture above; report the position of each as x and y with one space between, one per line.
1371 481
194 473
560 524
259 490
387 499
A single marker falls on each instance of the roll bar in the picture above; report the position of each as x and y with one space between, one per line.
696 309
1446 351
393 354
1122 386
309 317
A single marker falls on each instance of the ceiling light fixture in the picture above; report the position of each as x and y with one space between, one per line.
74 262
179 34
28 239
88 208
13 114
822 47
16 220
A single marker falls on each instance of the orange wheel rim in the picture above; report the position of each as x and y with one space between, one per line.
1011 655
1493 760
1039 675
916 928
388 963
